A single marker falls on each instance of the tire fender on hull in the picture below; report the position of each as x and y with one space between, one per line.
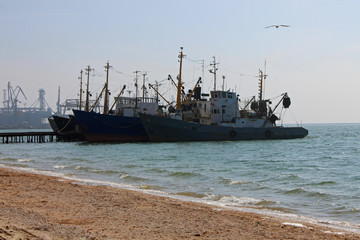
232 134
268 134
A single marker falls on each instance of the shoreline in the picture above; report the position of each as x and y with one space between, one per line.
39 206
281 214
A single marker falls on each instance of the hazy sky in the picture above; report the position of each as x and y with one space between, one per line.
45 44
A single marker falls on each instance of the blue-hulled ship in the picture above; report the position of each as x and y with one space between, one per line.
121 125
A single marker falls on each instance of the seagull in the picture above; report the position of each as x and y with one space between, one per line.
277 26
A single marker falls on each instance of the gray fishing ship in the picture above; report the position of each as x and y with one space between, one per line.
226 121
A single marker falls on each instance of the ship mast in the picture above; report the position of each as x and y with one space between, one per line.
178 98
106 100
58 105
81 90
223 86
136 88
88 70
143 87
157 90
262 78
213 71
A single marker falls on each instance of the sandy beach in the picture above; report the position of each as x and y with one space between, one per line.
34 206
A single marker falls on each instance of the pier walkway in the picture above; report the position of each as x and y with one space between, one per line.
28 137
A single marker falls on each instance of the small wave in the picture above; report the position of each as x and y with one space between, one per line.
184 174
123 176
131 166
150 187
58 158
228 181
8 159
18 165
25 160
235 201
264 203
81 168
278 209
292 177
192 194
70 175
156 170
127 177
302 191
78 159
296 191
343 210
72 167
322 183
105 172
61 166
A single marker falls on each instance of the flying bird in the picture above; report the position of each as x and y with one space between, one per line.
277 26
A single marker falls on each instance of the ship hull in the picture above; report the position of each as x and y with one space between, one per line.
161 129
110 128
53 124
65 126
61 122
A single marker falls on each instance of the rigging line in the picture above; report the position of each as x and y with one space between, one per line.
276 97
281 116
292 114
199 61
73 91
95 91
196 61
241 74
128 75
116 71
160 81
246 98
190 82
96 73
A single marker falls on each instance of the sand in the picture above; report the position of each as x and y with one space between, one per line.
34 206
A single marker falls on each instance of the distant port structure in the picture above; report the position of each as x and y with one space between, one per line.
12 116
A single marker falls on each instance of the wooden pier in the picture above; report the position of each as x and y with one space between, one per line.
28 137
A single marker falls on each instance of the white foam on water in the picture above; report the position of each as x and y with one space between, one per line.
124 176
61 166
25 160
235 201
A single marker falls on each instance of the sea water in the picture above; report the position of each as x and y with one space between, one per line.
317 177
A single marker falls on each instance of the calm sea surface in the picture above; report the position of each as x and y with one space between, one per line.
317 177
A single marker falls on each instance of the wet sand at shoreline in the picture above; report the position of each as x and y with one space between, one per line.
34 206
